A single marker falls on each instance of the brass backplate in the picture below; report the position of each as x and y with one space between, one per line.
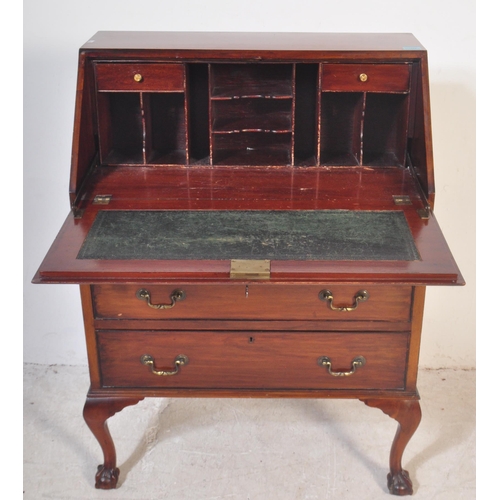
250 269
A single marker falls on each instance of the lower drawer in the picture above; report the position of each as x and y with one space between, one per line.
257 360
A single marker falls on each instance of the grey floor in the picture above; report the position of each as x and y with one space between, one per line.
239 449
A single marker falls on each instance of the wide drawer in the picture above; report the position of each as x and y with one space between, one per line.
257 360
140 77
254 301
365 77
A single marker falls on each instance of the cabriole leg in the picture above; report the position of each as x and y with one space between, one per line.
408 415
95 412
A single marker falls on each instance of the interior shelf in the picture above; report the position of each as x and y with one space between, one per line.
252 148
252 115
233 81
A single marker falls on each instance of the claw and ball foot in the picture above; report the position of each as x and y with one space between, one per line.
96 412
408 415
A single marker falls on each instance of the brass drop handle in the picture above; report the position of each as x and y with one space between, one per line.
176 296
148 360
138 77
363 77
361 296
356 363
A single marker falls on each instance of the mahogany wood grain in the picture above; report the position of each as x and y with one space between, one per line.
154 77
237 393
90 337
253 360
251 324
253 301
415 337
84 145
380 77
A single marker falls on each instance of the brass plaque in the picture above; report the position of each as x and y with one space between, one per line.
250 269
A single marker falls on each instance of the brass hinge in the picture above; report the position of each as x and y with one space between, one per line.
424 213
250 269
102 199
78 213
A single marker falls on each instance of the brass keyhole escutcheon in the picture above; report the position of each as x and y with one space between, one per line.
138 77
363 77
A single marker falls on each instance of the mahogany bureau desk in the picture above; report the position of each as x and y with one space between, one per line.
252 216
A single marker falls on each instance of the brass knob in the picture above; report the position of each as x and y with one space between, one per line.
363 77
138 77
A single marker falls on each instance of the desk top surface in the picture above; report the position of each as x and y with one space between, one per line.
221 41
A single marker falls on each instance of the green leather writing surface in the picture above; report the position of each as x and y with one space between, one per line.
247 234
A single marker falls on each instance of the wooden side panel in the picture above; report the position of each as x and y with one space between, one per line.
416 334
420 139
90 336
84 148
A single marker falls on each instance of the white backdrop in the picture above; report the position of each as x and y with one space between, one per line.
55 29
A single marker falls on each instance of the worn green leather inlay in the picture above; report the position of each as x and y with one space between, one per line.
248 234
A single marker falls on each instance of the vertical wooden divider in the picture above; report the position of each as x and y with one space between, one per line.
186 117
361 129
210 131
318 122
145 135
294 95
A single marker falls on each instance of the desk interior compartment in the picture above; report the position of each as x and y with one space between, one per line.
145 124
341 128
385 129
251 109
165 128
305 134
120 127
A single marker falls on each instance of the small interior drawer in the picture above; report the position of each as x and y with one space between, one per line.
253 302
140 77
249 360
365 77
